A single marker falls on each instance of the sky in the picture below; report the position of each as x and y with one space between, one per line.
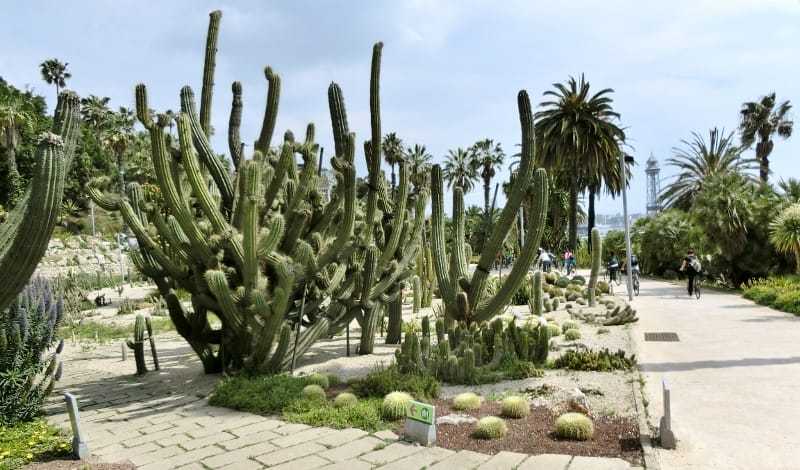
451 69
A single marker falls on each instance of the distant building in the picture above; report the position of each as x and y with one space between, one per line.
653 172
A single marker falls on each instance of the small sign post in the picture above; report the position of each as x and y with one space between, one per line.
79 448
421 423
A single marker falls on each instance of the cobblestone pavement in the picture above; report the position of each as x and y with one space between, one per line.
163 421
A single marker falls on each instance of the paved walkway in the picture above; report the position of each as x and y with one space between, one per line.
735 378
163 421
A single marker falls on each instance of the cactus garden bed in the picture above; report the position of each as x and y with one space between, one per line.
535 434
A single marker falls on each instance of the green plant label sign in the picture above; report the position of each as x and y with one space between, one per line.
421 412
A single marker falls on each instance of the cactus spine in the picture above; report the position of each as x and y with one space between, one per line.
529 186
26 232
250 247
597 250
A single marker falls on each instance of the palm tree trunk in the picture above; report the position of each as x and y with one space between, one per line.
591 217
573 215
393 180
487 189
762 155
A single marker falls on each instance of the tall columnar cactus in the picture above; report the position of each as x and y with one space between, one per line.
394 330
29 364
26 232
425 272
262 249
536 301
466 299
137 345
597 250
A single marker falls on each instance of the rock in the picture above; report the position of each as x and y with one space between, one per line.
456 419
578 402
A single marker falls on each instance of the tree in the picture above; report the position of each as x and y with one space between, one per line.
420 162
791 190
55 73
459 170
577 134
760 120
486 156
393 152
118 137
697 161
13 118
785 233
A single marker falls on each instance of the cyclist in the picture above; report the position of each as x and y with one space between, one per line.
692 267
634 265
613 267
569 258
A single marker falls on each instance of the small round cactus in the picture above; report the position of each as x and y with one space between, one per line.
553 329
572 334
569 325
313 392
490 427
515 407
318 379
395 405
467 401
574 426
344 400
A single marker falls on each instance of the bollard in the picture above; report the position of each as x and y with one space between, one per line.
666 435
79 448
124 351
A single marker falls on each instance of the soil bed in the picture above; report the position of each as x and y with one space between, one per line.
613 436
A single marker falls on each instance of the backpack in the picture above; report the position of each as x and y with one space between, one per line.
695 264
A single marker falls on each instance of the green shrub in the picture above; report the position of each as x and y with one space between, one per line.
318 379
344 399
516 370
363 414
395 405
313 392
574 426
572 334
591 360
29 441
265 395
467 401
490 427
384 380
515 407
779 292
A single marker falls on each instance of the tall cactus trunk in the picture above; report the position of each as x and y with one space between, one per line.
597 250
369 328
394 330
590 216
573 214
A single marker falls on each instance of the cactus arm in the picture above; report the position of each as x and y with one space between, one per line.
345 231
535 229
278 181
597 249
399 214
214 164
374 154
175 270
209 67
218 285
446 285
271 111
458 260
234 124
515 198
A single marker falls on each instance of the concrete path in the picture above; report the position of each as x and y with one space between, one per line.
163 421
734 375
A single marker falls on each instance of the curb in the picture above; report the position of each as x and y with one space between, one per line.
652 461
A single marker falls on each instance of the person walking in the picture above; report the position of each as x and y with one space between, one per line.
692 267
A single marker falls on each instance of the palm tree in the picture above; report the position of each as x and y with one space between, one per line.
577 134
55 73
486 156
791 190
118 137
420 159
697 161
13 118
393 152
785 232
458 169
761 120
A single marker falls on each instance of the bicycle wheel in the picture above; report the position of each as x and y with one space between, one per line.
697 289
636 285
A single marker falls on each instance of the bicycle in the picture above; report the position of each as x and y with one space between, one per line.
635 281
697 282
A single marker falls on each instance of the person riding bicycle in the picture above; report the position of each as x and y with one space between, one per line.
634 264
692 267
613 267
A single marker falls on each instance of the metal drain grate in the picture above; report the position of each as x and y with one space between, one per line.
661 336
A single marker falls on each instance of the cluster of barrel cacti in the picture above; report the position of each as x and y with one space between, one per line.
29 364
465 297
469 353
25 233
262 249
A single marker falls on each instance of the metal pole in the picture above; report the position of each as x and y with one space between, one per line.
624 173
121 261
299 322
94 247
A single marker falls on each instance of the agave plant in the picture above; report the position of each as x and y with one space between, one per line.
785 232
